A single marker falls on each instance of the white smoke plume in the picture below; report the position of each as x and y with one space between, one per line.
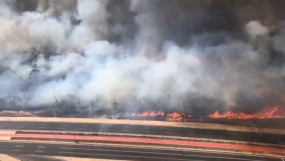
61 49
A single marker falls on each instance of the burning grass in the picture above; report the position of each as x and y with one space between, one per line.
266 113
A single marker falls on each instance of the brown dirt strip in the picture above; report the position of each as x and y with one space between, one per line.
145 123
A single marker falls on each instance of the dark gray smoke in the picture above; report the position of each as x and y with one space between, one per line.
131 55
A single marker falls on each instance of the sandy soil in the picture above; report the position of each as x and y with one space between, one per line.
6 132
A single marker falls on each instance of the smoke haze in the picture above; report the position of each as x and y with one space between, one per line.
172 55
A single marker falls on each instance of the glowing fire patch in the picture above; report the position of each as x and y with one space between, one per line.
150 114
175 116
273 112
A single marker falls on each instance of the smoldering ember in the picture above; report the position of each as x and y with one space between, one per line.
135 58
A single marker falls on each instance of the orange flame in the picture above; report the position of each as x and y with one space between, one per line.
175 116
146 113
274 112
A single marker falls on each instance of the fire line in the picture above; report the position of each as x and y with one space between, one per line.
266 113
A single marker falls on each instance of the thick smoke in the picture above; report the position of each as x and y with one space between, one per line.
132 55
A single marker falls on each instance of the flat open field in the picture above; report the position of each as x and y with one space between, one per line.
260 123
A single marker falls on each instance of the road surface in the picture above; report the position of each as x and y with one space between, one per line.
145 130
122 153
